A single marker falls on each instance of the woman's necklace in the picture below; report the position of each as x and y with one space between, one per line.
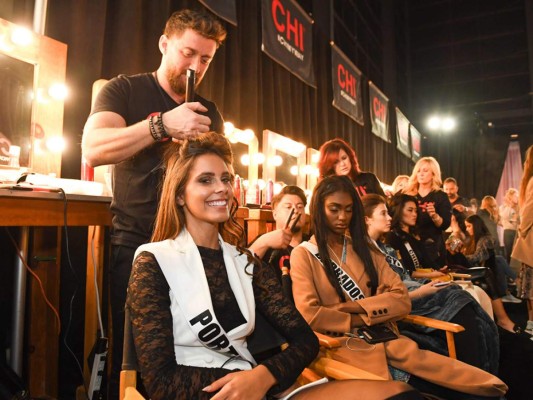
342 260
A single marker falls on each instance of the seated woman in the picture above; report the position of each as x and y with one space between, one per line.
338 158
404 238
412 251
193 296
478 345
480 252
341 284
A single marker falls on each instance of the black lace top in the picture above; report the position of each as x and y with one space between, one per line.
149 303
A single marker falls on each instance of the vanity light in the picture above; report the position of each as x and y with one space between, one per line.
228 128
58 91
277 160
259 158
307 169
261 183
294 170
21 36
245 159
55 144
247 135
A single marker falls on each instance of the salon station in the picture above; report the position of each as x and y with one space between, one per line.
39 208
290 76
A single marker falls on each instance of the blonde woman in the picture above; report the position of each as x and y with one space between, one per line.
524 243
400 182
434 208
509 218
489 213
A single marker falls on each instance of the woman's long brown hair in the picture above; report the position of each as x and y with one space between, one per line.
170 218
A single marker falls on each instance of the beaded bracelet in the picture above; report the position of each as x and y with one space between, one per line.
157 129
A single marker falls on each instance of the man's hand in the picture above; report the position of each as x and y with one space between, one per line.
184 122
459 207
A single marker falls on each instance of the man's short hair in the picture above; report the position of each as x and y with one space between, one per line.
450 180
289 189
201 22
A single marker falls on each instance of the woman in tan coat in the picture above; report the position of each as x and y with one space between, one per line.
523 249
340 285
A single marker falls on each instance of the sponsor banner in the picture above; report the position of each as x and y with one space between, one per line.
288 37
346 83
416 143
402 133
225 9
379 112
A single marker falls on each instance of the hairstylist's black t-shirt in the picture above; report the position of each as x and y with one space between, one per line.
137 180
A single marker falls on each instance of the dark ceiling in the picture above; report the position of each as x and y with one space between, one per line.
471 58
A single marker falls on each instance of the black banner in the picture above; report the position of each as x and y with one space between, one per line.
379 112
416 143
402 133
346 83
288 37
225 9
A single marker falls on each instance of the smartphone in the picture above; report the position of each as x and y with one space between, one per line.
440 284
376 334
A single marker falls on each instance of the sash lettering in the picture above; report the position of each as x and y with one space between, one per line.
349 286
212 335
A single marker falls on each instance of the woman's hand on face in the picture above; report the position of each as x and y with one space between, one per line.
245 385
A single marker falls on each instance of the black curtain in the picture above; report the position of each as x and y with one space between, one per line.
106 38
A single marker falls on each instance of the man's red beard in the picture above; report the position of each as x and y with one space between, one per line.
178 83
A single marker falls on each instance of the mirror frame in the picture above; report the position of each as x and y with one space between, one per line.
312 179
236 136
49 58
273 141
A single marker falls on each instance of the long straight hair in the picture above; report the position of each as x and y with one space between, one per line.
170 217
357 229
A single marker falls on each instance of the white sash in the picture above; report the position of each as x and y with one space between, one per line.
412 254
350 287
191 301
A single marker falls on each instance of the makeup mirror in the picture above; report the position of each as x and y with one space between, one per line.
245 147
284 159
33 69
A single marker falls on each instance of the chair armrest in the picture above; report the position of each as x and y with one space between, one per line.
455 275
434 323
133 394
338 370
327 341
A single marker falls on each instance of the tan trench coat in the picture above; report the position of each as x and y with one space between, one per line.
318 302
523 248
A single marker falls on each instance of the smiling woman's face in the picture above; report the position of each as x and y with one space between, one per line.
208 193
